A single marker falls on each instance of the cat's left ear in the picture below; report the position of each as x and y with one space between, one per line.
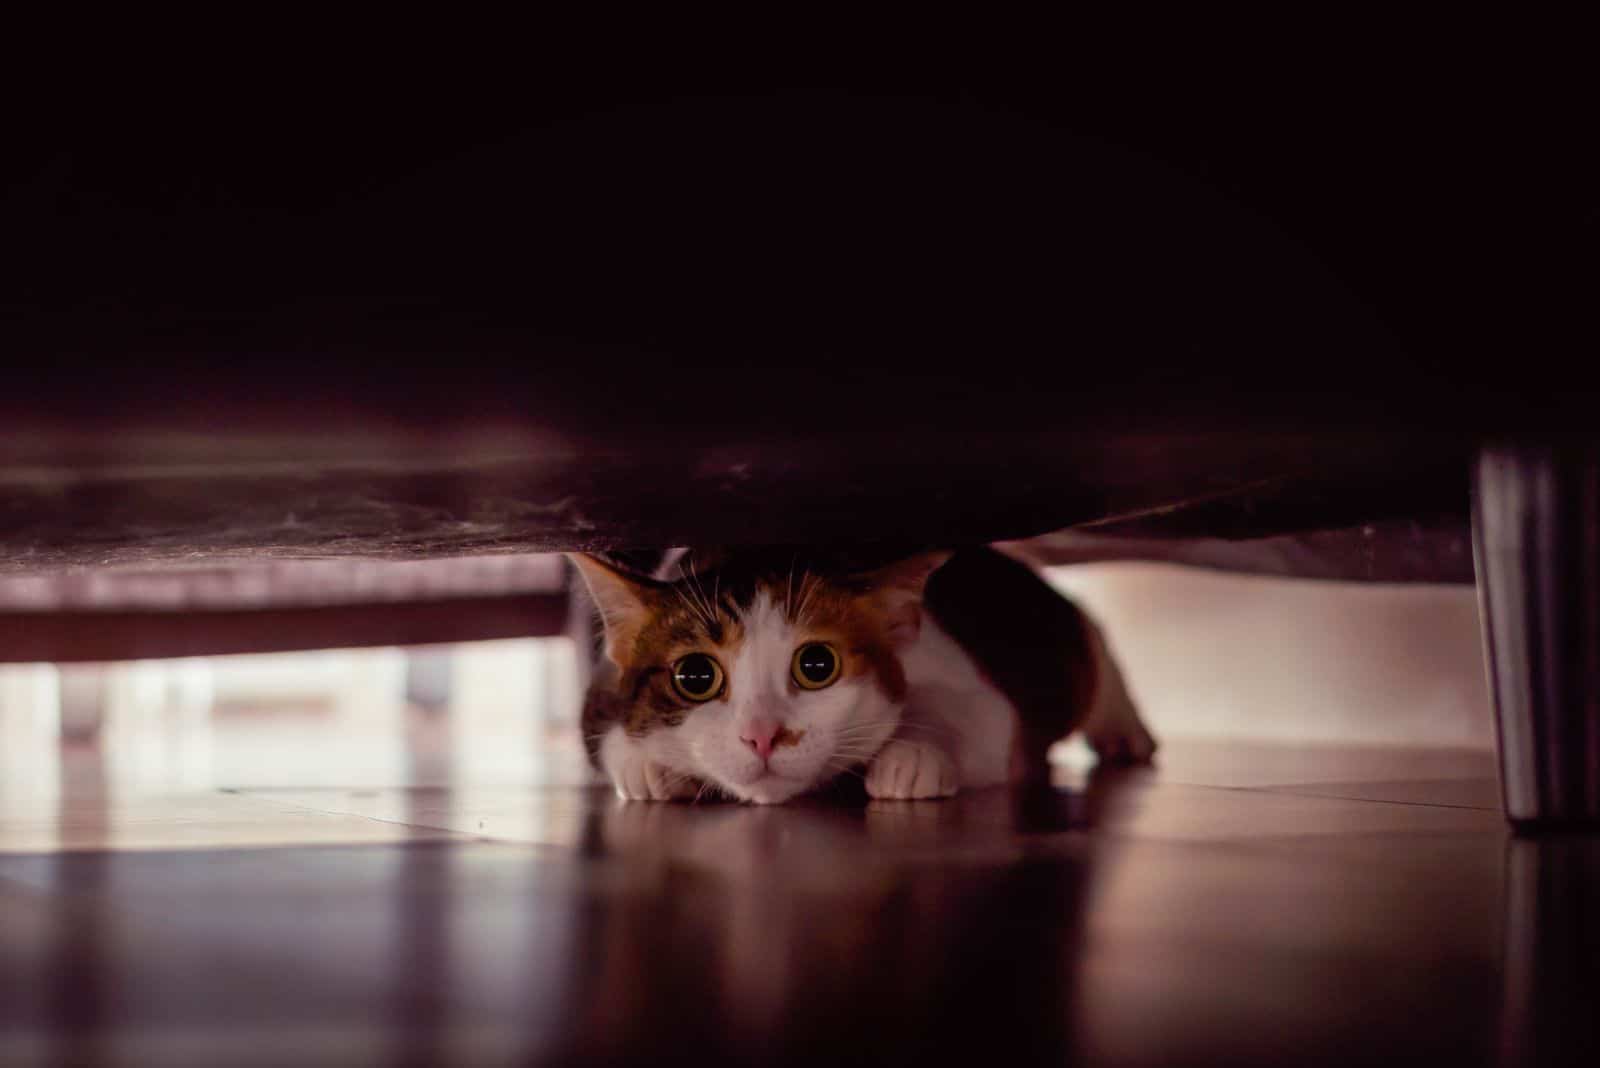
625 602
896 594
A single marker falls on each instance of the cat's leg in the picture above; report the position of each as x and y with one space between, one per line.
1044 653
956 730
908 768
637 775
1112 727
917 761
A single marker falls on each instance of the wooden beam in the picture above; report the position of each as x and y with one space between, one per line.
66 637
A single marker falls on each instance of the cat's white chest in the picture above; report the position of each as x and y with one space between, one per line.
950 699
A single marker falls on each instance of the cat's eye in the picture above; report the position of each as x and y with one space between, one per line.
697 677
815 665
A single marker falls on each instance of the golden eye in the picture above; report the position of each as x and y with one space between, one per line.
815 665
697 677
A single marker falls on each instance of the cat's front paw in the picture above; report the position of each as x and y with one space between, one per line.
906 771
638 778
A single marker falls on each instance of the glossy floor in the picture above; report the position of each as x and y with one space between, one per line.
1254 904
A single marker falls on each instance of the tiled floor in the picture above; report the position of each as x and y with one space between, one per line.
1238 904
333 877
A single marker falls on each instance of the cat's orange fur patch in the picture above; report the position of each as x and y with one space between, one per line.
785 736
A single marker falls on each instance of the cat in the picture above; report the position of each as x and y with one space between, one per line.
764 675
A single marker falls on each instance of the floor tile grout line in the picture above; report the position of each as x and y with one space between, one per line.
1288 791
460 835
1386 801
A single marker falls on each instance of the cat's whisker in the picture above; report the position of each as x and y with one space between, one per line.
684 597
834 770
858 752
899 725
685 591
914 724
807 584
805 609
709 613
867 738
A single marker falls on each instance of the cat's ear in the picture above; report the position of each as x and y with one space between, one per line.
895 593
625 601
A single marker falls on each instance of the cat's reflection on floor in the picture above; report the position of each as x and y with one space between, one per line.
833 913
842 831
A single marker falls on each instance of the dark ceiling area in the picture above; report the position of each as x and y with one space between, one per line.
1382 255
1188 237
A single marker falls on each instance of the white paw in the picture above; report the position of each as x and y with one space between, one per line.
907 770
638 778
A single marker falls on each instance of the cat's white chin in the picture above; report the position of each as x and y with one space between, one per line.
770 789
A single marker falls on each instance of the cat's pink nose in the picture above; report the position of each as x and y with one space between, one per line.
759 735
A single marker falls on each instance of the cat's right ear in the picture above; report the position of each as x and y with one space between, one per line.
625 601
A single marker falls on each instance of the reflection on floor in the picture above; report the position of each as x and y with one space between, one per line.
388 883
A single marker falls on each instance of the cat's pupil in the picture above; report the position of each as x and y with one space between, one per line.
696 674
816 663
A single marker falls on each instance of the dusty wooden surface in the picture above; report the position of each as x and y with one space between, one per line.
147 499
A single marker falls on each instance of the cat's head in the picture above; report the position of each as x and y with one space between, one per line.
764 678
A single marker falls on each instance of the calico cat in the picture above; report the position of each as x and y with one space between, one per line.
762 675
